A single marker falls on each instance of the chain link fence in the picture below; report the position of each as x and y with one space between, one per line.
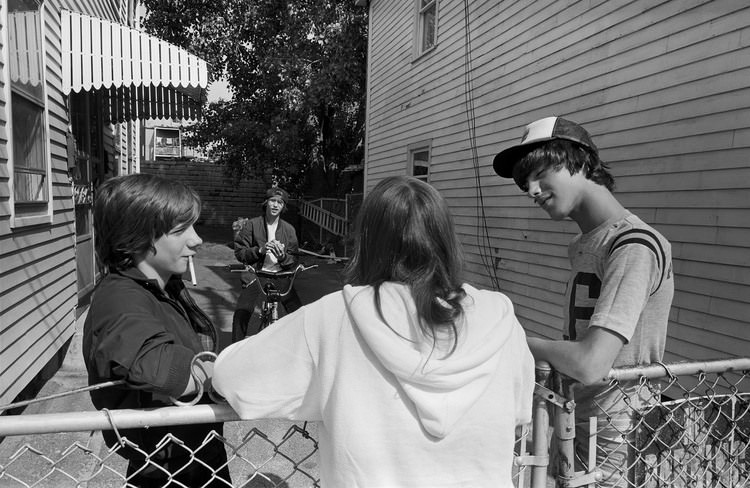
677 425
67 449
61 450
661 425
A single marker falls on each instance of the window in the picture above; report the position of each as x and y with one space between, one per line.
167 143
419 161
29 153
426 29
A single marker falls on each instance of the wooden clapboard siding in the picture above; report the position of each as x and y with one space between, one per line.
37 263
661 86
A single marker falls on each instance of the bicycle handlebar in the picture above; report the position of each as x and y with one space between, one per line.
269 274
291 274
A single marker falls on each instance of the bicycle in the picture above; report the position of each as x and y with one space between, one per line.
272 295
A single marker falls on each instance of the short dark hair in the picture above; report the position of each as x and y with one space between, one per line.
405 234
559 153
131 212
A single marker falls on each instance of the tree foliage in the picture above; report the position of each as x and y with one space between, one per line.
297 71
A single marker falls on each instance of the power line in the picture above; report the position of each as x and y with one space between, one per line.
482 231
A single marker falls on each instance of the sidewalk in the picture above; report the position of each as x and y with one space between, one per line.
216 293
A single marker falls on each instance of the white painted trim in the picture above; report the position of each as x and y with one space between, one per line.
416 147
368 95
419 30
42 218
6 87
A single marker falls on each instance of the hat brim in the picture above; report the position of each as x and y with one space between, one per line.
506 160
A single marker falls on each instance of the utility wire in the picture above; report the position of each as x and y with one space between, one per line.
483 237
98 386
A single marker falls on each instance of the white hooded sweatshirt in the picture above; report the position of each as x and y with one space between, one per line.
394 410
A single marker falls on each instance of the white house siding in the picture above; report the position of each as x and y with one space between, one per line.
37 263
661 85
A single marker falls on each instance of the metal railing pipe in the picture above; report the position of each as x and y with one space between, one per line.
565 431
658 370
539 430
11 425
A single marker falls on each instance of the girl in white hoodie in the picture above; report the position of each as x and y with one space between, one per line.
418 379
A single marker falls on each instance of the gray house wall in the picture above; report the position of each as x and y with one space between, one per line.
38 288
663 88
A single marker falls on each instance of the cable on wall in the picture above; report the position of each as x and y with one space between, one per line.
482 232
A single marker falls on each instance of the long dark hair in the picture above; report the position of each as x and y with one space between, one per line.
133 211
405 234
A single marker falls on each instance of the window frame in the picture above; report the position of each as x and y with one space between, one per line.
179 142
416 148
42 211
420 24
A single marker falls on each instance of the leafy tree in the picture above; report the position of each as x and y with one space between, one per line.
297 70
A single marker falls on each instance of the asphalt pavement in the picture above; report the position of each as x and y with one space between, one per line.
216 291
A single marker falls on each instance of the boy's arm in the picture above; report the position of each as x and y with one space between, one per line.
630 274
148 359
587 361
289 260
202 372
246 249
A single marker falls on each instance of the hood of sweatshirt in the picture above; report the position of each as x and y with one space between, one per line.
441 386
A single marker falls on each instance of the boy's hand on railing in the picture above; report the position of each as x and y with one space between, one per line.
201 372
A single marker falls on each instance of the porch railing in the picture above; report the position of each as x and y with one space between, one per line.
315 212
331 215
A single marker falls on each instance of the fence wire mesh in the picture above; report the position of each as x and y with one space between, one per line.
255 459
686 426
674 430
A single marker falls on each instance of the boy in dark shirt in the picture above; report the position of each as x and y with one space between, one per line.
143 327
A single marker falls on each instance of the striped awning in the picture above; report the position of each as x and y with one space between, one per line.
26 47
141 76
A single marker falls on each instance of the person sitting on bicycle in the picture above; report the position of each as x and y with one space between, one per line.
416 378
269 243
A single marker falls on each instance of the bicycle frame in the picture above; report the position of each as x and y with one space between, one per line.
269 312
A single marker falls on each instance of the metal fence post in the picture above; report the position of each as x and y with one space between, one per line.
540 429
565 432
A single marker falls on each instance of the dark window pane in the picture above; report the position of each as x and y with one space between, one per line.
29 161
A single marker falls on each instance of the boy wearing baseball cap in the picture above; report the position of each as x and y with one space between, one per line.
620 288
267 242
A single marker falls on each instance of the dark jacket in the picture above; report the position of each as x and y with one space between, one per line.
253 235
147 336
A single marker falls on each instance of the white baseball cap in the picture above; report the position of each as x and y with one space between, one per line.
536 132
